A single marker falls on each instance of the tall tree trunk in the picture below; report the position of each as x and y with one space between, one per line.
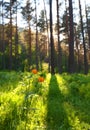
71 39
59 45
3 41
77 41
67 33
37 62
51 40
47 28
48 42
88 28
10 43
84 46
16 42
29 45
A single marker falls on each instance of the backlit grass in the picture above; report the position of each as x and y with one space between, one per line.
59 102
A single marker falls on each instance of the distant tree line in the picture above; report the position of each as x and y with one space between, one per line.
41 41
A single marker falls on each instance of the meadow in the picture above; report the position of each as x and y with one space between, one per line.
41 101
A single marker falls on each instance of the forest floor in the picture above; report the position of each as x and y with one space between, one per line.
54 102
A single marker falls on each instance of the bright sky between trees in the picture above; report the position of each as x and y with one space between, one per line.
40 7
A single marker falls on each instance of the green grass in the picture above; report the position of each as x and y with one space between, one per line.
61 102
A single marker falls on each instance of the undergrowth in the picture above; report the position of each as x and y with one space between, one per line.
59 102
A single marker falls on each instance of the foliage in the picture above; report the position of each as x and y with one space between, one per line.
41 21
60 102
26 11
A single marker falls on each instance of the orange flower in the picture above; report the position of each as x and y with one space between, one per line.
34 71
41 79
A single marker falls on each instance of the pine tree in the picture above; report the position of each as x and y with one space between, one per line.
51 40
84 46
71 39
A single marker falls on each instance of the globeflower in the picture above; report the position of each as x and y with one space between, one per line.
34 71
41 79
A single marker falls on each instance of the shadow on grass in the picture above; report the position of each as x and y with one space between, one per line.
56 115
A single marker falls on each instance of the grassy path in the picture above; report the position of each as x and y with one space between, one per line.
61 102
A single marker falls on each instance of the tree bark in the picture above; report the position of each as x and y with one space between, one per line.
10 42
16 42
59 45
51 40
88 27
3 41
84 46
71 39
37 62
